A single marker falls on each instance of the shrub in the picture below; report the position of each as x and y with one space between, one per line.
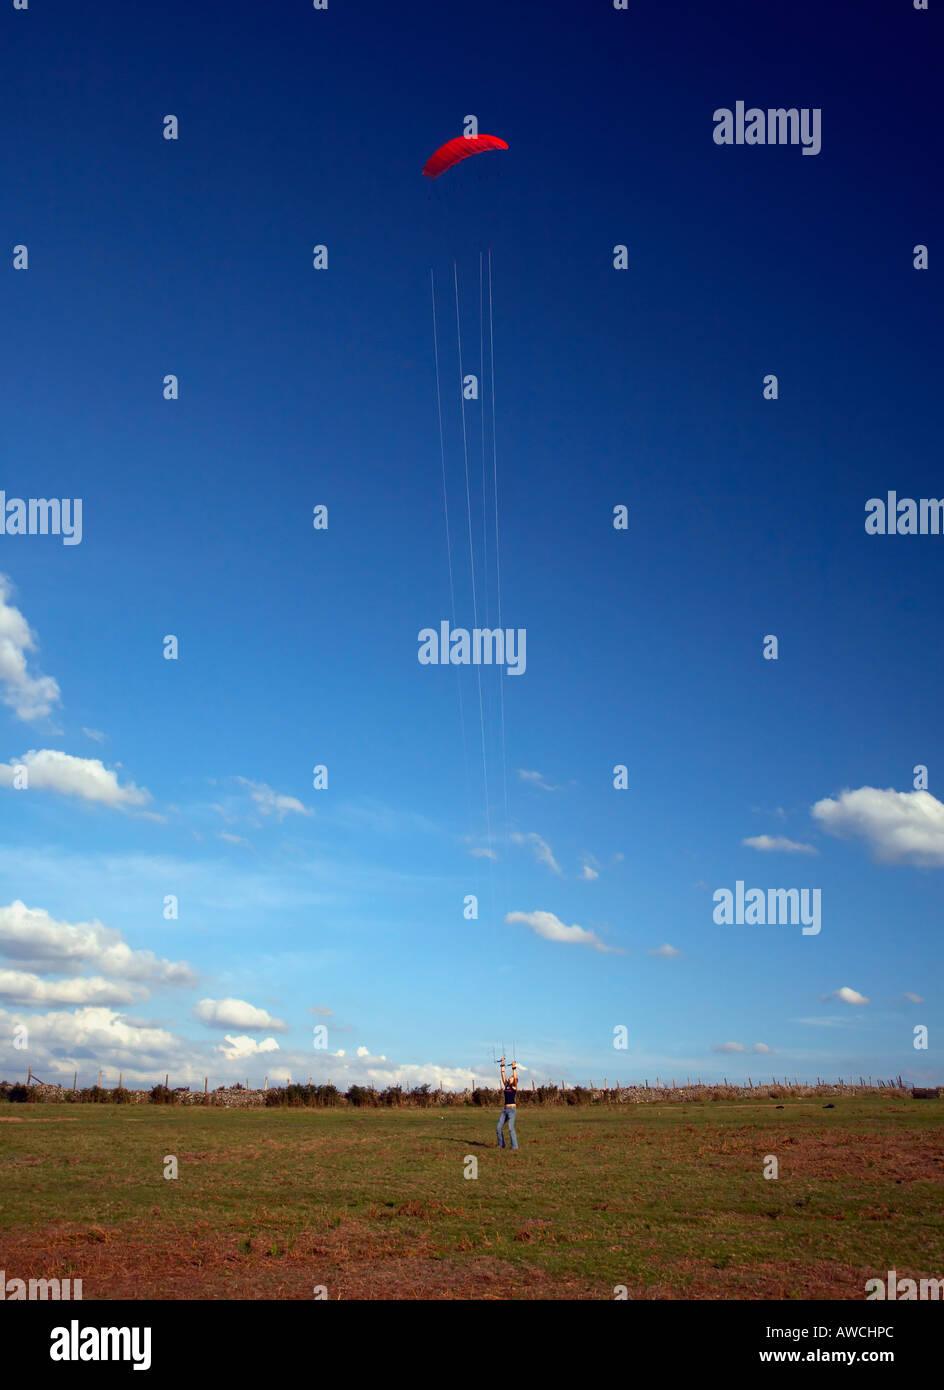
95 1095
163 1095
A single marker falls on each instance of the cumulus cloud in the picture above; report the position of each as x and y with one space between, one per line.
93 1038
915 998
849 996
29 696
778 844
761 1047
38 942
273 803
542 850
553 929
235 1049
236 1013
98 1034
728 1047
22 987
898 827
666 951
87 778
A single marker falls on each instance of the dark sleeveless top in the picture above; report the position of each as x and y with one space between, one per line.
510 1093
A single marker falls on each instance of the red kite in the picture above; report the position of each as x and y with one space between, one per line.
460 148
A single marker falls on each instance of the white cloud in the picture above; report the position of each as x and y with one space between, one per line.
29 696
915 998
236 1013
91 1038
235 1049
542 850
233 839
97 1034
728 1047
273 803
850 996
21 987
483 854
363 1052
899 827
95 734
535 779
761 1048
553 929
88 778
778 843
39 942
667 952
826 1021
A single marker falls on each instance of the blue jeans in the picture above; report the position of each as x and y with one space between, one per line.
507 1116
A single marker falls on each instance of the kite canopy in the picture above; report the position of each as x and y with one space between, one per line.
460 148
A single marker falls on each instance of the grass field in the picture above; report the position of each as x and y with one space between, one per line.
669 1200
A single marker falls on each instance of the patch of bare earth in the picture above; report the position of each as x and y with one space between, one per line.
349 1263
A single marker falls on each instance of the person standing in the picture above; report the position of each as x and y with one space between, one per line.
507 1116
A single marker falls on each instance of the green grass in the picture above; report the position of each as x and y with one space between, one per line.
667 1199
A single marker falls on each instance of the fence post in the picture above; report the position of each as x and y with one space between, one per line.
29 1077
75 1077
120 1078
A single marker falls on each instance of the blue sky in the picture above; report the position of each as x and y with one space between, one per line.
299 647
